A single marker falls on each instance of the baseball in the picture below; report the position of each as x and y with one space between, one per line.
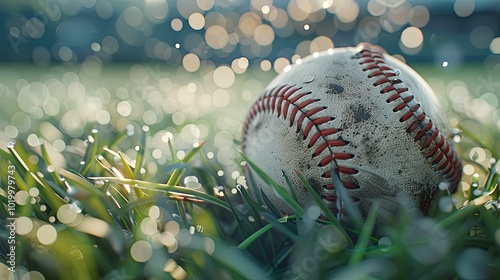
361 113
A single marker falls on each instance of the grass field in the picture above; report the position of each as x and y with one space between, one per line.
134 172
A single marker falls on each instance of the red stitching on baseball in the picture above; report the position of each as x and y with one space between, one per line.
432 142
347 185
289 101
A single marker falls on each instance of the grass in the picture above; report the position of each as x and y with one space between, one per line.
106 220
103 215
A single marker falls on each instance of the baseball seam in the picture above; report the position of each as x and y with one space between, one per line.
432 142
290 102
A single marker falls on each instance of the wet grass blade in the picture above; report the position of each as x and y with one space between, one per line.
328 213
365 235
177 174
139 159
130 174
176 191
282 192
46 191
90 153
92 198
48 163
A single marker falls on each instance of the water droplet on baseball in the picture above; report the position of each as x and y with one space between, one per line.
384 244
308 79
397 72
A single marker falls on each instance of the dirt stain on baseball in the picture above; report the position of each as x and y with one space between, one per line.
334 88
361 114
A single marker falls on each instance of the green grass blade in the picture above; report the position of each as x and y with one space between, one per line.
365 235
240 264
255 208
457 217
139 160
476 139
282 192
252 238
130 174
46 191
5 155
185 193
328 213
491 180
118 139
48 162
90 153
280 226
93 200
346 200
177 174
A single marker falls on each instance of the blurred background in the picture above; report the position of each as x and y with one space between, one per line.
188 70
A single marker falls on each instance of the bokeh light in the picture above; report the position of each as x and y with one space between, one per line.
188 70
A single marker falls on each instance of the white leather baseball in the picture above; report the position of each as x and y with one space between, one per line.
364 113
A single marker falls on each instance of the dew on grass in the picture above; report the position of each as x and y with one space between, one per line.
384 244
444 186
11 145
200 228
477 192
